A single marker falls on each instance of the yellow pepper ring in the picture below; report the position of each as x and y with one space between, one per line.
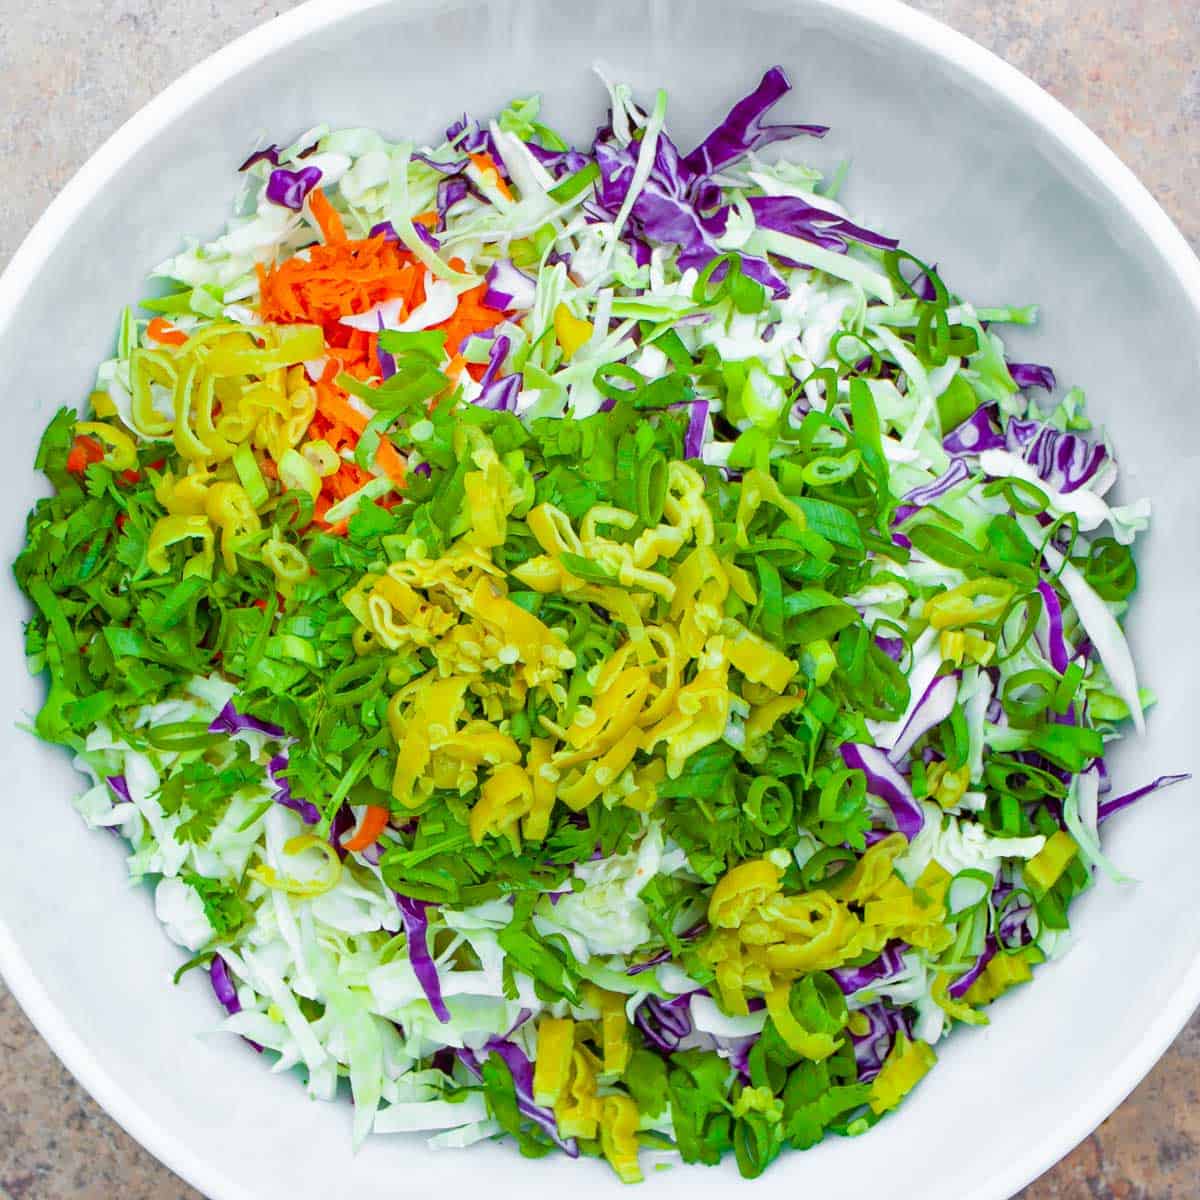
972 603
740 891
120 449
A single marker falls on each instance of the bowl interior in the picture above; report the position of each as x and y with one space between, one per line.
944 158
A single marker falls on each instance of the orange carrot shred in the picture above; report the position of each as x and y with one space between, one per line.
328 218
486 165
162 331
374 822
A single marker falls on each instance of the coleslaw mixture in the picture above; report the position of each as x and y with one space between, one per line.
589 646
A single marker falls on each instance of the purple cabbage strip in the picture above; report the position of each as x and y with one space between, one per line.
1066 461
308 811
470 137
426 236
664 955
267 154
922 286
225 991
497 392
1014 923
290 188
932 709
521 1070
342 823
229 720
959 988
743 129
558 162
1056 645
416 930
222 985
791 215
1031 375
508 288
974 435
445 168
693 439
888 965
384 229
736 1051
664 212
496 356
664 1023
449 193
1111 807
119 787
387 360
893 647
872 1048
958 472
886 782
501 395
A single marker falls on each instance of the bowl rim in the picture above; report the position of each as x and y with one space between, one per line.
891 16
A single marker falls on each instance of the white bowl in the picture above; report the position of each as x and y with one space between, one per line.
977 169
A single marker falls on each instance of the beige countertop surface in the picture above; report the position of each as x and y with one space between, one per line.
72 70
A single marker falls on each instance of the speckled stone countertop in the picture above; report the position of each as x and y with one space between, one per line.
71 71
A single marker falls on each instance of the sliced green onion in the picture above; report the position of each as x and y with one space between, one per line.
968 890
251 478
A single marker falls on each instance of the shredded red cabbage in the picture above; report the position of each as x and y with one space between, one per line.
1031 375
267 154
229 720
935 705
508 289
743 129
872 1048
1066 461
308 811
1111 807
521 1070
889 964
959 988
976 434
119 787
791 215
290 188
886 782
416 930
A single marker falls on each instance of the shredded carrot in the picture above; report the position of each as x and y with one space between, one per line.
429 218
345 481
374 822
335 407
320 508
162 331
339 279
486 165
327 216
471 316
388 459
84 451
